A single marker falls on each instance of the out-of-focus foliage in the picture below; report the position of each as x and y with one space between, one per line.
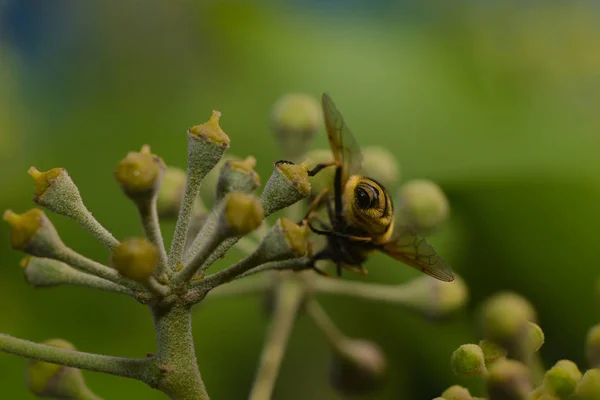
497 102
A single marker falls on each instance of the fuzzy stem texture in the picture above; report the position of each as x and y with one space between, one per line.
142 369
176 355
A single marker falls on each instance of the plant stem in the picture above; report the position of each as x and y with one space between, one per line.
141 369
289 297
176 356
150 223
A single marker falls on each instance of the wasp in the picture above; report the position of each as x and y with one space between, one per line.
361 213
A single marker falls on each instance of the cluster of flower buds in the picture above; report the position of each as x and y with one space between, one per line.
507 359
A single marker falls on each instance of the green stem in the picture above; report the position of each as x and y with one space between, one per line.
142 369
289 297
176 356
150 223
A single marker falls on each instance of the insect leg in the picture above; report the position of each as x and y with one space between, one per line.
315 204
320 166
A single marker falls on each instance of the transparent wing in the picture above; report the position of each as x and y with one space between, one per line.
413 250
343 146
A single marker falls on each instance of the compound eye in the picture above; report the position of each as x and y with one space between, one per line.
363 200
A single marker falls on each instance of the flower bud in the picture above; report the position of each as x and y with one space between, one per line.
140 174
491 351
456 392
358 367
242 213
237 176
504 320
295 119
136 259
380 164
56 191
468 361
57 381
588 387
33 233
592 346
508 380
422 204
434 298
561 379
287 185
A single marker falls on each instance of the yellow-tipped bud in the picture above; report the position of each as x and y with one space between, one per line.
57 381
562 378
468 361
358 367
135 258
33 233
422 204
287 185
295 119
140 173
456 392
592 346
380 164
588 387
243 212
509 380
211 131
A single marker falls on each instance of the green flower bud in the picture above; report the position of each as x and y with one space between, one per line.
468 361
508 380
135 258
295 119
33 233
140 174
237 176
434 298
242 213
491 351
380 164
358 367
287 185
57 381
422 204
562 379
56 191
504 320
588 387
456 392
592 346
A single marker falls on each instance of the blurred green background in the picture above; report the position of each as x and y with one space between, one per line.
496 101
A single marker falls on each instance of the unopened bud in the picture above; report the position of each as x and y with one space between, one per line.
358 367
508 380
237 176
295 119
140 174
381 165
242 213
136 259
287 185
456 392
562 378
588 387
422 204
57 381
468 361
33 233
